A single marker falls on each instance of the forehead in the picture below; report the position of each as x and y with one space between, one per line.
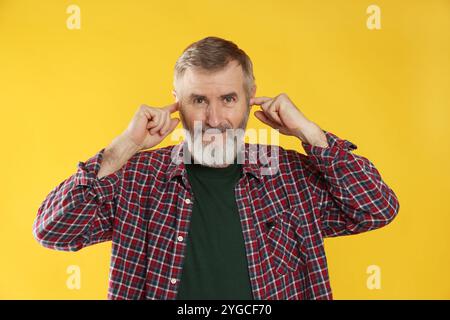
200 81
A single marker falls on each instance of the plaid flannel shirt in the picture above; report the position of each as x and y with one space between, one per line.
145 209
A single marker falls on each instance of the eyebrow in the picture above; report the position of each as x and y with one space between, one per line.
195 95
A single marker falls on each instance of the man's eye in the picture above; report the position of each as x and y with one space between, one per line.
199 100
229 99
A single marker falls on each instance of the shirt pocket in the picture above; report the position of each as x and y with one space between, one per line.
286 246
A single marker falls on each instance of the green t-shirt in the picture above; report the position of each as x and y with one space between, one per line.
215 265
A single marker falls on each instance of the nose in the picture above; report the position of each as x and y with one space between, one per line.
213 117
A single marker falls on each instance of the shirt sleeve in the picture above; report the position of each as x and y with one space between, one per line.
79 211
353 198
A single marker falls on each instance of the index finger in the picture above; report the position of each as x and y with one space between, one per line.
172 107
259 100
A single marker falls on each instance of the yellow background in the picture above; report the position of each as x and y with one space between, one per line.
65 94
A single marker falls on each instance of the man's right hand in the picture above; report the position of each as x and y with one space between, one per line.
150 125
147 129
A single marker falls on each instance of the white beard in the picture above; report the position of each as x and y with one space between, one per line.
213 148
220 148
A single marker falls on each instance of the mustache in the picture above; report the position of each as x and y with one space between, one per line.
214 130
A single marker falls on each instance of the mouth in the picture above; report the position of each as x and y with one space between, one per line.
212 137
212 131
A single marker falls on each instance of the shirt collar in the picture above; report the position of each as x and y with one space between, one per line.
177 168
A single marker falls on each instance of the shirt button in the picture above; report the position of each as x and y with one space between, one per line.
187 201
180 238
270 224
173 281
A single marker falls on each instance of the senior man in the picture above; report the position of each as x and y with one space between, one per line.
217 224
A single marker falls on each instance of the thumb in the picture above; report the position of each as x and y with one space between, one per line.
173 124
263 118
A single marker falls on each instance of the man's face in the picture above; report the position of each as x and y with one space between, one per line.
214 100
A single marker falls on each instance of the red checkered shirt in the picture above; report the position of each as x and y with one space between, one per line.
145 208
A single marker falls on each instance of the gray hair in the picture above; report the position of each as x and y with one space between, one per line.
213 54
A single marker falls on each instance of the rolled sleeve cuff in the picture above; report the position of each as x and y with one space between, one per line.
338 150
105 187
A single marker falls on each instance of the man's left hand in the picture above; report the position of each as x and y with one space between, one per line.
281 113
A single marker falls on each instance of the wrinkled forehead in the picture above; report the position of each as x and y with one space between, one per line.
212 83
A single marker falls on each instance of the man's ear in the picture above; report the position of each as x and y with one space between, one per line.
253 93
174 93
